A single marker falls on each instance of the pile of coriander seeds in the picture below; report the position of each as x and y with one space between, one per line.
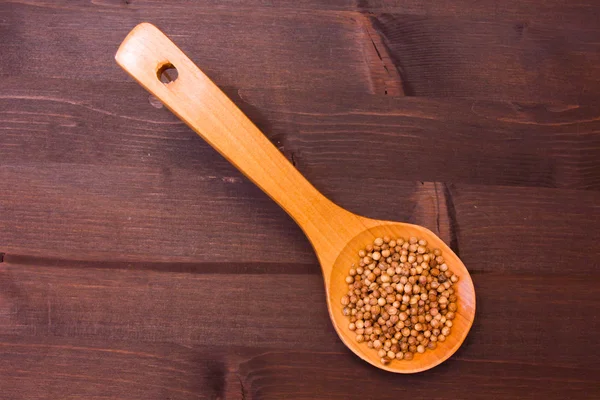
400 299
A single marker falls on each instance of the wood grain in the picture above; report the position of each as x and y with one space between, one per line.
504 169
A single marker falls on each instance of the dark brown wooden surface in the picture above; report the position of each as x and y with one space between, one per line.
136 263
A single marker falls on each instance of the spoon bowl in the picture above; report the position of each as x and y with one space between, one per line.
338 288
335 233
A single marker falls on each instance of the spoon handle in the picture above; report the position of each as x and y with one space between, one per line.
196 100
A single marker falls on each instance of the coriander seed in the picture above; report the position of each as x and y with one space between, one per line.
400 299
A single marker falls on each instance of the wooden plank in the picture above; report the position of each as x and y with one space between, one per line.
538 231
482 142
129 215
507 60
67 368
233 47
331 376
181 308
142 215
434 50
470 141
273 329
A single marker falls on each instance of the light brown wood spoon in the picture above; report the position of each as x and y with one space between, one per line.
336 234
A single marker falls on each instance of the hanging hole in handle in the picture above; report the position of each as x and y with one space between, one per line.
167 73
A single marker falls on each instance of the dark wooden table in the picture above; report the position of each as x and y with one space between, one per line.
136 263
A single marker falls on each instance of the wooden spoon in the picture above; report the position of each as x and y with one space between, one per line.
335 233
